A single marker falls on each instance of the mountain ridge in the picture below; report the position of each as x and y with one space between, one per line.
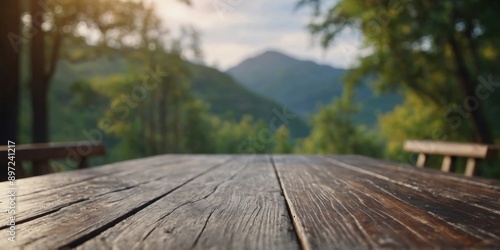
302 85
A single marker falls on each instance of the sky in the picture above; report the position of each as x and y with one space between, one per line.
233 30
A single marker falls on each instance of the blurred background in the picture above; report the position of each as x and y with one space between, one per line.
242 77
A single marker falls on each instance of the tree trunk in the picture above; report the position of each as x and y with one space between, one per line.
163 112
39 83
176 119
9 70
151 123
9 75
38 78
482 131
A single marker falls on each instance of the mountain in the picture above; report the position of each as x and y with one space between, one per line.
225 95
302 85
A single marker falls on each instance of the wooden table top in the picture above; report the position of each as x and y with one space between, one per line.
253 202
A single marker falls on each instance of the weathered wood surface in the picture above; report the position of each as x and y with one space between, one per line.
353 202
238 204
101 206
254 202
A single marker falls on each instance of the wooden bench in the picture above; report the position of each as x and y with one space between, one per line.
450 150
71 151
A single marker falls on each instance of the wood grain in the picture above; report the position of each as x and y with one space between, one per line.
480 193
46 194
256 202
339 207
88 217
236 206
471 208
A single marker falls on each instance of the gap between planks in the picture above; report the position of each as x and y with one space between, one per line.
203 196
295 223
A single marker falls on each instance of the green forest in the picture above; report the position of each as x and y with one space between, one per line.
111 72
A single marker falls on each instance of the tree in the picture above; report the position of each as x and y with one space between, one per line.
333 131
436 49
9 73
9 70
54 23
282 141
148 101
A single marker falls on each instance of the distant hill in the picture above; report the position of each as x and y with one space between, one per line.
225 95
302 85
227 98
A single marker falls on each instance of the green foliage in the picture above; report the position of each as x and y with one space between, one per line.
230 136
333 132
198 136
135 123
282 143
414 119
436 53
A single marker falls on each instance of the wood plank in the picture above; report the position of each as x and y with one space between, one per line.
46 194
448 186
337 207
236 206
476 217
49 182
87 218
452 148
406 170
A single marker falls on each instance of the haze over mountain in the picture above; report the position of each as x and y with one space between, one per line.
302 85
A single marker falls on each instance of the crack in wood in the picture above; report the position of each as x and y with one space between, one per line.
46 213
97 231
295 224
204 226
192 202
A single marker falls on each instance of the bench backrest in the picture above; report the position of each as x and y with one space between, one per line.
450 150
78 151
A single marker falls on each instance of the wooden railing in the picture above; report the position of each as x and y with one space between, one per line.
71 151
450 150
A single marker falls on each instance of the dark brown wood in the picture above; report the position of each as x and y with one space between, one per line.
255 202
83 163
238 205
70 187
41 152
90 213
44 151
479 192
336 205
